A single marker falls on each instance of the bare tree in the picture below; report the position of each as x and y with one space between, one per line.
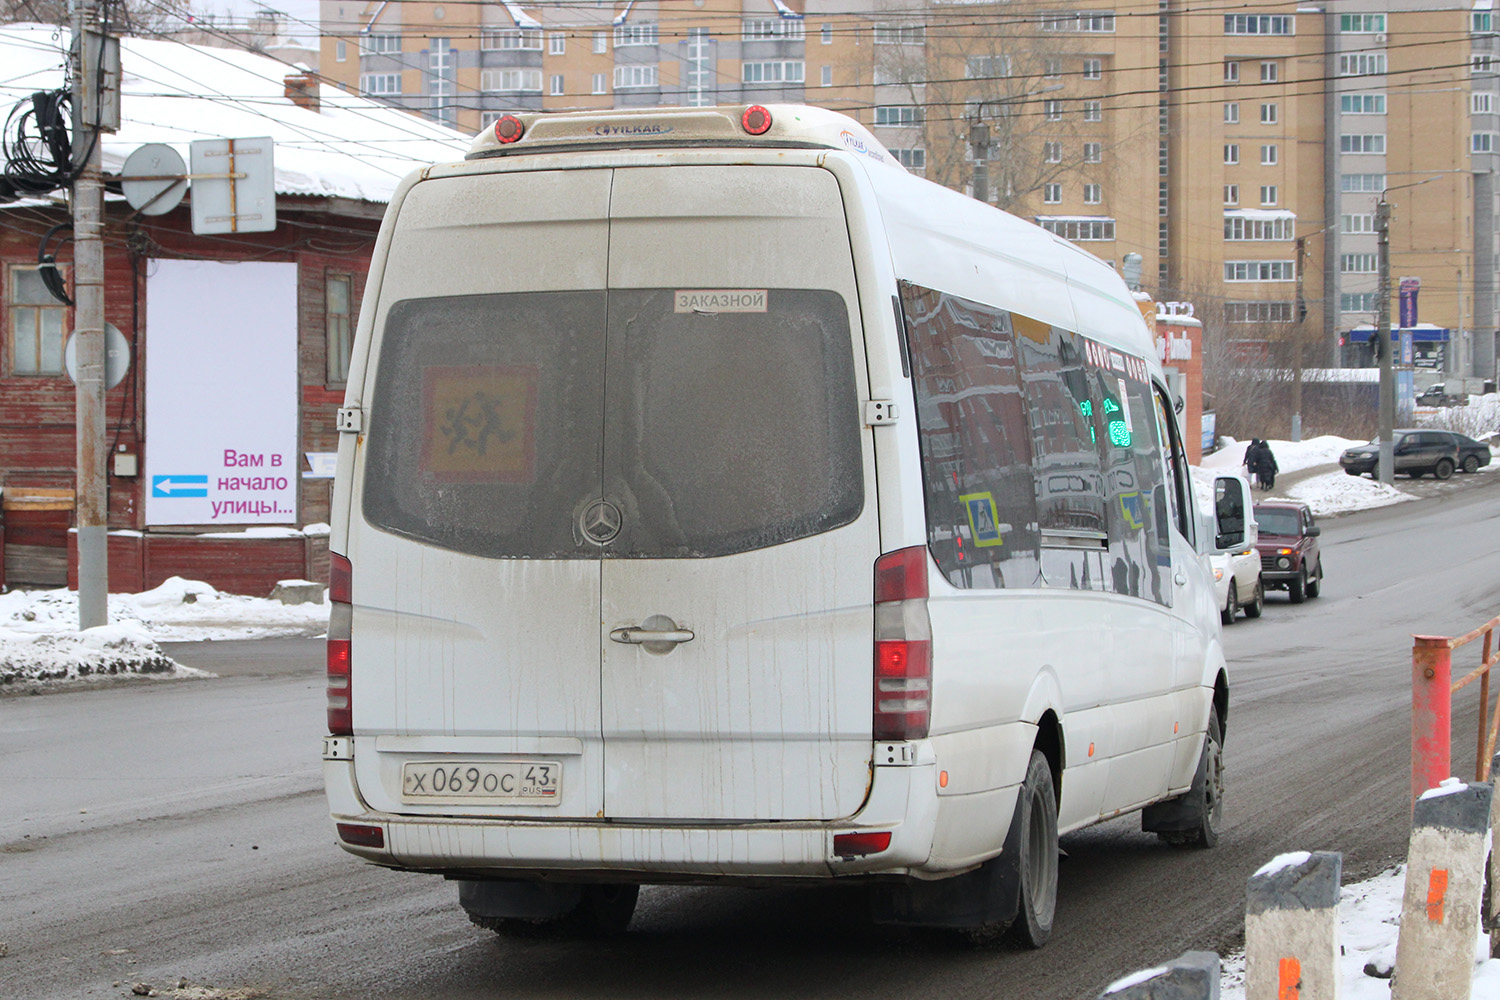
144 18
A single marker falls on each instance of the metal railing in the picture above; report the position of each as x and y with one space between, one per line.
1432 689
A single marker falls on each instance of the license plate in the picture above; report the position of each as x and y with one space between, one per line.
532 782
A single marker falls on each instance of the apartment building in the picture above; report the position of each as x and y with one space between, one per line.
1240 153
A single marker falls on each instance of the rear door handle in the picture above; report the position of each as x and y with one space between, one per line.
636 634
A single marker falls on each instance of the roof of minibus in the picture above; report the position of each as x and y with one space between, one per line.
938 238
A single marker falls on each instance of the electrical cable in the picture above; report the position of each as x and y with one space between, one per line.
50 275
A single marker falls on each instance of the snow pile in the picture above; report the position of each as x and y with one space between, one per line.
109 650
1291 456
177 611
1369 920
1340 493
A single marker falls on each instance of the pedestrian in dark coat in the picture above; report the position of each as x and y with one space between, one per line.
1252 459
1266 466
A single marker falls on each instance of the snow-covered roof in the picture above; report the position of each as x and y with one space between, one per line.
1259 213
173 92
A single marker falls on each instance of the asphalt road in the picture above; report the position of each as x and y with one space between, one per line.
162 832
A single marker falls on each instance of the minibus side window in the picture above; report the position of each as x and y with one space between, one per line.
975 440
1177 468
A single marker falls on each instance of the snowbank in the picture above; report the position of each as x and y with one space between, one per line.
1290 456
109 650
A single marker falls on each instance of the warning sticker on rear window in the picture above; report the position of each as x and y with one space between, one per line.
478 424
721 300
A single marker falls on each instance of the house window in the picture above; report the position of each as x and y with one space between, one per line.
1482 63
1051 152
827 34
635 76
1268 195
1268 155
1093 111
1482 142
557 85
1052 110
1231 72
36 325
1367 143
899 115
340 51
336 322
1232 113
900 34
1258 312
1238 228
379 84
1231 194
1093 152
789 71
557 44
986 67
1364 104
828 76
1362 64
1270 72
1093 69
1358 223
1259 24
1079 230
1364 24
1258 270
598 83
1089 22
1051 68
1360 183
511 38
1093 194
1357 302
1268 113
1481 22
376 44
601 45
511 80
1051 194
1231 152
1358 263
1482 103
759 29
911 159
635 34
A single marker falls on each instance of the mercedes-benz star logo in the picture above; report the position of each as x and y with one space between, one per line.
600 522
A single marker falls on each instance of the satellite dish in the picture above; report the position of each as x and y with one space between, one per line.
154 179
116 356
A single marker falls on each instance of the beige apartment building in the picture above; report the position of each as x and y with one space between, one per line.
1212 144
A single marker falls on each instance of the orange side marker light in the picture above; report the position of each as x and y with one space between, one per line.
942 779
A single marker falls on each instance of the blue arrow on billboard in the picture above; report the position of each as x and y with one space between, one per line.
179 486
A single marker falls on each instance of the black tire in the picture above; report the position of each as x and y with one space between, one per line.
1296 588
1256 606
1471 464
1206 797
1315 584
1443 469
1352 472
1038 856
1231 605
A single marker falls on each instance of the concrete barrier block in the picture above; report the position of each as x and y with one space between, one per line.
1291 928
1445 870
298 592
1193 975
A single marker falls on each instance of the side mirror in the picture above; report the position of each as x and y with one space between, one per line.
1230 507
1314 531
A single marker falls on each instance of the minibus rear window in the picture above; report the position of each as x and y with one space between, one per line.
498 421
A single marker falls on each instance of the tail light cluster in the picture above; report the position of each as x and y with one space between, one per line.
903 646
340 624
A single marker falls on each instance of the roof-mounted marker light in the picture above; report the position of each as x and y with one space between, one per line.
508 128
756 120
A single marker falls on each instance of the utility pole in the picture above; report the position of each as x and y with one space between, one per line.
1386 468
1297 346
88 330
979 142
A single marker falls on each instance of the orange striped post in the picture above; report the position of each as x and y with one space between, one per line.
1431 712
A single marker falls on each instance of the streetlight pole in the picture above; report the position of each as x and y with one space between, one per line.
1386 469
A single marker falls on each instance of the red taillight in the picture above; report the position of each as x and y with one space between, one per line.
756 120
340 627
373 836
851 845
509 128
903 646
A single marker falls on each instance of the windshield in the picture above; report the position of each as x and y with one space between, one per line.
1277 521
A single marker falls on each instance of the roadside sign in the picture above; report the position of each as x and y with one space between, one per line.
179 486
154 179
234 187
116 356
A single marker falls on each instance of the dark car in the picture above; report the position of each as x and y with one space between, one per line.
1290 558
1471 454
1417 452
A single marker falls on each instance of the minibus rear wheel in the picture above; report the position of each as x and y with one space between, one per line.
1038 856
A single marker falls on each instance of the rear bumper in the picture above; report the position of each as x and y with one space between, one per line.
902 800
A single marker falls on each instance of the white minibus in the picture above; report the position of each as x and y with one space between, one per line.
719 503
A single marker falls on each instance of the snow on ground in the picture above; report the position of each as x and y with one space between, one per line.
1369 919
1340 493
1291 456
39 637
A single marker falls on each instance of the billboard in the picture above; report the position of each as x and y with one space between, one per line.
221 393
